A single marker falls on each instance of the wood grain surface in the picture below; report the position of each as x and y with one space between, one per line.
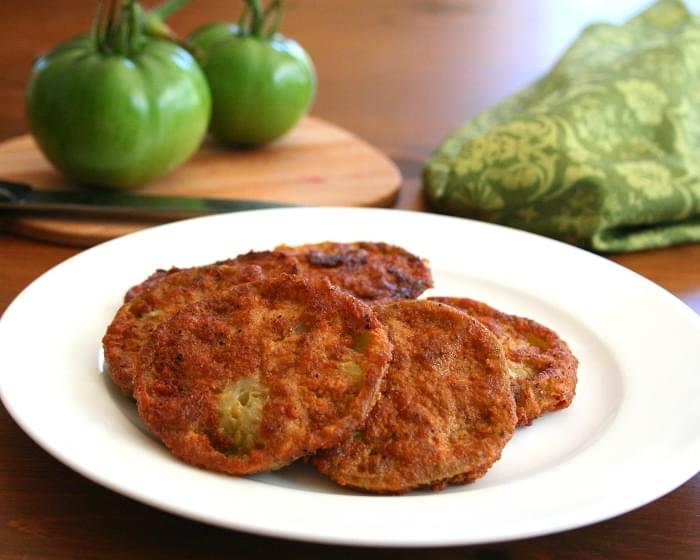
315 164
400 74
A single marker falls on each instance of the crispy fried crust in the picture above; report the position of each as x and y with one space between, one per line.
542 367
165 291
262 374
149 282
270 261
140 315
446 409
373 272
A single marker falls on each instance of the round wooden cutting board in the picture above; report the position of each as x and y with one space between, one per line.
316 164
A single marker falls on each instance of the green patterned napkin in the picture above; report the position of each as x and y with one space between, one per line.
603 152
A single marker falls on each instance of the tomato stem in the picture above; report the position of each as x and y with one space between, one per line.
131 31
243 18
167 8
154 20
108 39
275 10
120 30
95 34
254 18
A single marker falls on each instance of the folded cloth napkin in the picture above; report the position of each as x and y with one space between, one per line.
603 152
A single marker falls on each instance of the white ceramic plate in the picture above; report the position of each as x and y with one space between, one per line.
630 436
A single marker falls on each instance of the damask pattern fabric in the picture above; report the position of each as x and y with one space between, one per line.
603 152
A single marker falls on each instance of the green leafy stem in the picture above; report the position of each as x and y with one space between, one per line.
123 27
261 21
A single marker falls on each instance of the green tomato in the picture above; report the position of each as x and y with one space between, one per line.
117 119
261 85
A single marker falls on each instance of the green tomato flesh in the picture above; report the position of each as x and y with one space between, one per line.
116 121
260 87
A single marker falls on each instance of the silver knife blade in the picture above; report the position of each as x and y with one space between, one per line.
21 198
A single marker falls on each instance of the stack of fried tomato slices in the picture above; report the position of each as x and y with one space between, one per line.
324 352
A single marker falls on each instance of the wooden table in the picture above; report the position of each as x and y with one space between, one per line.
401 74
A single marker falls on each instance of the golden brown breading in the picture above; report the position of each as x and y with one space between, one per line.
140 315
159 296
373 272
262 374
270 261
542 367
149 282
446 409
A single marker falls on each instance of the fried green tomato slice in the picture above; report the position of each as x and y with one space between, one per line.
542 367
164 292
139 316
446 410
373 272
254 378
